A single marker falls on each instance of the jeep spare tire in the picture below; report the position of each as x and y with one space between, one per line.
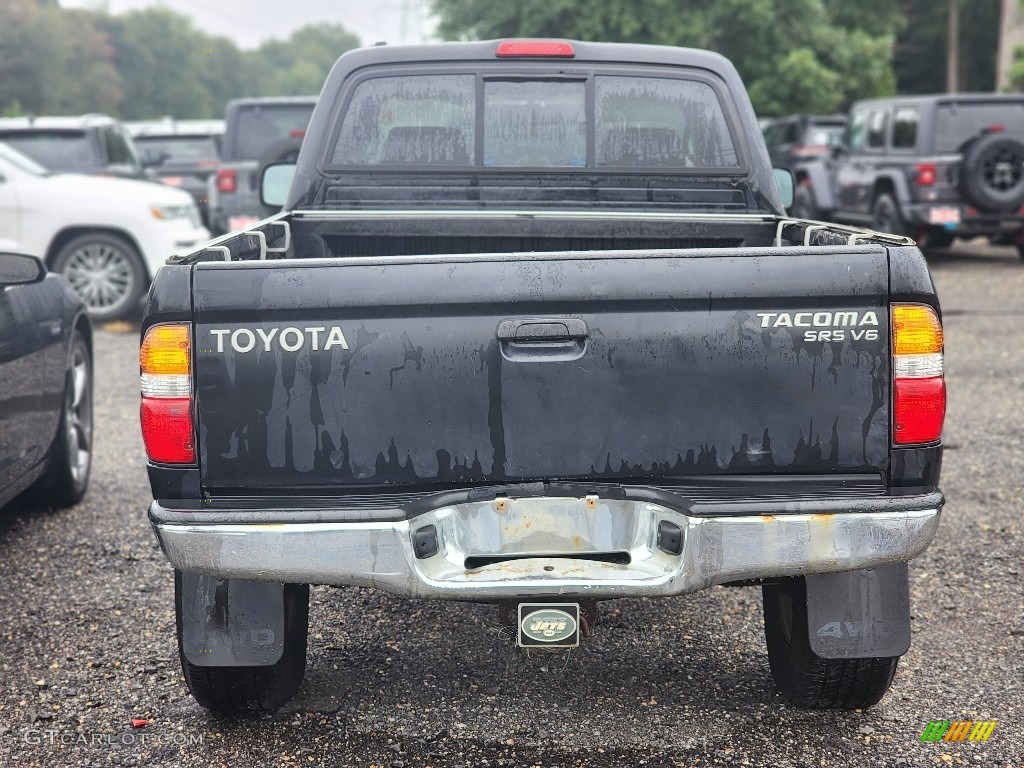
992 173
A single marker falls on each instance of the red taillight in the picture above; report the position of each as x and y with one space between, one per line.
165 364
297 133
920 408
167 429
919 390
552 49
997 128
227 180
926 175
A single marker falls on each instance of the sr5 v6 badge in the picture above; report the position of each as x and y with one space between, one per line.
824 325
549 625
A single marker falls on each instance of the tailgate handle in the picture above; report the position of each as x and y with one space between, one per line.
534 330
543 339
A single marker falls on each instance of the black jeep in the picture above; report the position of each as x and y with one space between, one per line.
930 167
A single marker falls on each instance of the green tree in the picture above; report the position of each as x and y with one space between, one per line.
298 66
920 55
40 44
164 61
794 55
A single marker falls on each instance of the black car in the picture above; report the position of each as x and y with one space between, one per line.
794 139
183 153
46 396
90 144
933 168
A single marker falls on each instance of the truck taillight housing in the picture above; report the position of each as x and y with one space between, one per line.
227 180
165 365
919 387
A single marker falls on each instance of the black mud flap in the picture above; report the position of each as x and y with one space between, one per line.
859 614
231 622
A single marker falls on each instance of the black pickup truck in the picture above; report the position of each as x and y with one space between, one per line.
534 330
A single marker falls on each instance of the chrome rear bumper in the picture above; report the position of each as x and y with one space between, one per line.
545 546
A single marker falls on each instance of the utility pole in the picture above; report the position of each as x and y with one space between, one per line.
1011 35
953 47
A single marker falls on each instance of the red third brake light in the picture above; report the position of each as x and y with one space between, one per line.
227 180
552 49
926 175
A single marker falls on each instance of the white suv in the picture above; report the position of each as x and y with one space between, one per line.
107 236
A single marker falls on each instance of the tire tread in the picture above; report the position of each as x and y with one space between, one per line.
808 680
233 689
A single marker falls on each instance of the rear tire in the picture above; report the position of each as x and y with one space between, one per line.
886 217
803 677
233 689
106 272
67 476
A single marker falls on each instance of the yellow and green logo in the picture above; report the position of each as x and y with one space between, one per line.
958 730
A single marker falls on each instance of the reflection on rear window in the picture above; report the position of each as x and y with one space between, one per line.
259 127
535 123
433 120
644 121
423 120
957 123
55 149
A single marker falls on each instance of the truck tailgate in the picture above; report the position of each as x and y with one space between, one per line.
604 366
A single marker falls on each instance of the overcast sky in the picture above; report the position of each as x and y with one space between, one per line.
250 22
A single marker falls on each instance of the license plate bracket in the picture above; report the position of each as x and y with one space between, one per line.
548 625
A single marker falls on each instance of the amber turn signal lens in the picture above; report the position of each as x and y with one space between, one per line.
166 349
916 330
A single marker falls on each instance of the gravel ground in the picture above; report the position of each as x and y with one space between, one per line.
87 628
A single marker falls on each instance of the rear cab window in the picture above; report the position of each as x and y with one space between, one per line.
256 126
55 148
492 120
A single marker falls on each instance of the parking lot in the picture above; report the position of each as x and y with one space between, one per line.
87 636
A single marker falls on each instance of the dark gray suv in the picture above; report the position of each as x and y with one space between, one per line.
795 139
257 131
934 168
